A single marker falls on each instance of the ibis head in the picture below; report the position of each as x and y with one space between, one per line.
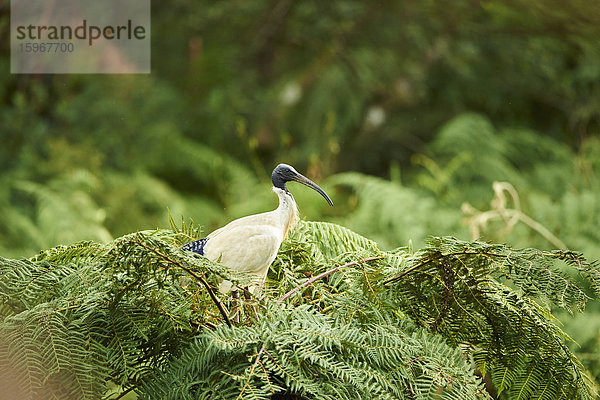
284 173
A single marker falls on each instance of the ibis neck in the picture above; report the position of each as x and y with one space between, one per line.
287 212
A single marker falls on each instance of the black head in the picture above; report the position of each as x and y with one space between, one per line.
284 173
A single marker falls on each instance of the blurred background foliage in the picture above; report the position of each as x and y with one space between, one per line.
465 118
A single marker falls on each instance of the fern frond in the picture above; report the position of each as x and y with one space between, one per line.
190 231
315 356
79 253
46 349
330 241
461 290
355 322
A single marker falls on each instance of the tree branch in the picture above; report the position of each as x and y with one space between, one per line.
190 271
324 274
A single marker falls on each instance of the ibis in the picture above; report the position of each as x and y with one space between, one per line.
250 244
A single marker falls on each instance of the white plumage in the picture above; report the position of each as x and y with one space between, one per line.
250 244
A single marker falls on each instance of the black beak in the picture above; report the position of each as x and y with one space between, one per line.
305 181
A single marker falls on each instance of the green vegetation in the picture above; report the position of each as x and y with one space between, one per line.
142 314
424 120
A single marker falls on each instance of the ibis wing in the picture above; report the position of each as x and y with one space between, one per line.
245 248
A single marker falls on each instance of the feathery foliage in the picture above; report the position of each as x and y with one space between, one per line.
339 319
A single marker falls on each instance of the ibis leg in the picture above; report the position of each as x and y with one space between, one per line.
248 298
235 306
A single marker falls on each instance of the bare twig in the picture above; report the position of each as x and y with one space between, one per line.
324 274
510 216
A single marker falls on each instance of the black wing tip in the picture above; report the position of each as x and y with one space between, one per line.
197 246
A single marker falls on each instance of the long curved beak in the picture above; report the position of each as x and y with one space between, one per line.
305 181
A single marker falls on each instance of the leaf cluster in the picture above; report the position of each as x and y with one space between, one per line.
339 318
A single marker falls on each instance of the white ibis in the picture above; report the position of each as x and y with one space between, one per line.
250 244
